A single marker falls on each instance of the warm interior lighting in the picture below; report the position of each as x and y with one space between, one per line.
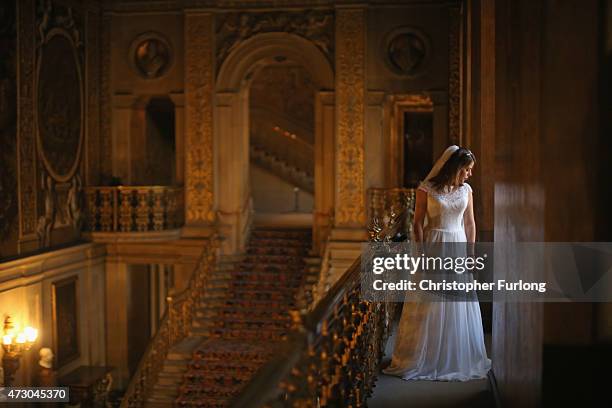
15 340
30 333
15 343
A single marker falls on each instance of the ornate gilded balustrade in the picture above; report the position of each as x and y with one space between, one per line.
332 356
385 206
174 327
134 208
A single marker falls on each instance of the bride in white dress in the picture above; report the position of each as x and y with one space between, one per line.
442 340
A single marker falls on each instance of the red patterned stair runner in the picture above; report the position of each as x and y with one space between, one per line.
244 316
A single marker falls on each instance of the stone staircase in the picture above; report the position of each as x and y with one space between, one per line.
302 178
242 320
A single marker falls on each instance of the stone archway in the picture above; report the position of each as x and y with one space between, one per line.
231 130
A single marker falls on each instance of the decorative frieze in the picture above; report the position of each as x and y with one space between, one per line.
232 29
350 106
199 67
454 76
25 118
106 113
93 97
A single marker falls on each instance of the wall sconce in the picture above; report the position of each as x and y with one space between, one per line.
14 344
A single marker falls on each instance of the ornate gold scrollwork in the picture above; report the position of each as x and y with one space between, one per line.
199 117
350 105
131 209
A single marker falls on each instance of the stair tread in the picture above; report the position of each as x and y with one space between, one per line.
242 317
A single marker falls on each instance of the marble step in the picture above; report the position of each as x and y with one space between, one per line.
239 294
227 312
279 233
255 324
203 366
231 287
242 333
199 403
159 402
250 303
276 250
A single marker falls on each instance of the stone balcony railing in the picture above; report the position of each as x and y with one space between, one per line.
134 208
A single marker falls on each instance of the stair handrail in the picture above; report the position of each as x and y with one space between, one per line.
175 325
334 351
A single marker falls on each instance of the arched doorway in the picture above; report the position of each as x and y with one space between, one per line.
282 162
233 130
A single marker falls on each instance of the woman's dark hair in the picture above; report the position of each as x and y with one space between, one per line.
461 158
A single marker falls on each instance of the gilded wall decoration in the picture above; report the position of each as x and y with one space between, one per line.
105 101
59 91
25 122
407 51
350 108
150 55
316 26
46 221
199 118
454 78
93 98
8 118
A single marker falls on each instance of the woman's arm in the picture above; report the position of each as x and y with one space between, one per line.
420 209
468 220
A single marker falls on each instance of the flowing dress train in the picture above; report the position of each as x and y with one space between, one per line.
441 340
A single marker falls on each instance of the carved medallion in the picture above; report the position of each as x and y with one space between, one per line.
150 55
407 51
59 100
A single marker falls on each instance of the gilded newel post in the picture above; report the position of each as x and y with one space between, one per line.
199 77
350 110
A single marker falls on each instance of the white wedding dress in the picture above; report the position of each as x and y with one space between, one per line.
441 340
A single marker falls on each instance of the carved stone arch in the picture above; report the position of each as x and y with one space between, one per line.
231 130
240 63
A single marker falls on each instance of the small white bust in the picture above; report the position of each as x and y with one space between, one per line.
46 357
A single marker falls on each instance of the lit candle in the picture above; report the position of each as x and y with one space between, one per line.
31 334
21 338
7 340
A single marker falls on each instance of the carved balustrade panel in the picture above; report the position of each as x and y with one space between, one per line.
134 209
334 356
174 327
386 205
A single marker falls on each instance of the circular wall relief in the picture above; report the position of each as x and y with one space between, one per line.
150 55
407 51
59 112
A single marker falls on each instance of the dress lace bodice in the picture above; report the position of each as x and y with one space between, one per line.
445 210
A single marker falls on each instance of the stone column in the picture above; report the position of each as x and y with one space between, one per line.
324 166
123 106
350 97
232 192
199 160
374 141
117 289
179 136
